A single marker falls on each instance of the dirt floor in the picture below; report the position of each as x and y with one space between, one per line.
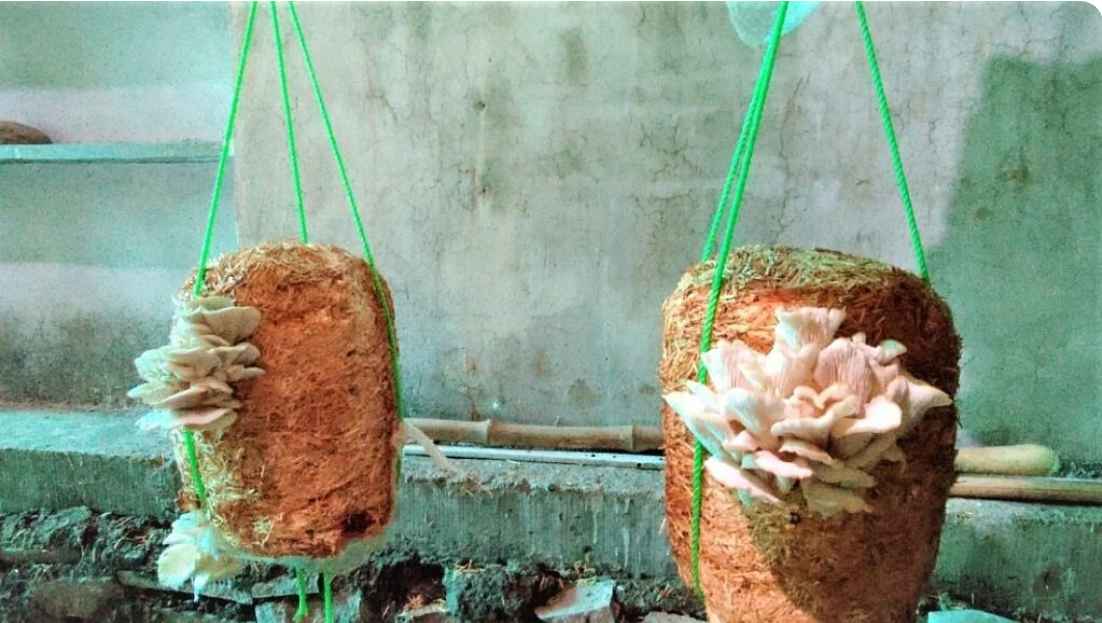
77 565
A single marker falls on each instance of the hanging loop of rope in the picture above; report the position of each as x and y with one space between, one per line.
369 256
732 170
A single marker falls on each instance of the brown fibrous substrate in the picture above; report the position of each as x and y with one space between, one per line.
770 563
310 463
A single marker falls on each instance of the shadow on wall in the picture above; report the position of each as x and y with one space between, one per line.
1022 262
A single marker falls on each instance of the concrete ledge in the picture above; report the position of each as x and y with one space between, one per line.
1041 559
558 515
55 459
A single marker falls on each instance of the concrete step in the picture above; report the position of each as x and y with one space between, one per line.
53 460
1042 559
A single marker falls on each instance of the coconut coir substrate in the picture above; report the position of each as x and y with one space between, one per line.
309 466
767 563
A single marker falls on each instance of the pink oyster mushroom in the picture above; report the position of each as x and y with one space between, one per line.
815 413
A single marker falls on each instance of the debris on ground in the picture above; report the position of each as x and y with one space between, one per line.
585 602
79 565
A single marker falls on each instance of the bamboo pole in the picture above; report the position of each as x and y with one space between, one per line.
1058 490
629 438
1021 460
1015 488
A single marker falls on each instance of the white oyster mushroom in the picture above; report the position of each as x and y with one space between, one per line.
766 461
744 480
757 413
817 412
195 552
230 324
817 428
705 424
807 450
188 380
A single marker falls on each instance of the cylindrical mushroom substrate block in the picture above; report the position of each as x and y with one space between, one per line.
767 563
309 466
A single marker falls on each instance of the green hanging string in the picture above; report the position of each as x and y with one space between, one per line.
889 132
327 597
377 283
288 120
761 90
724 195
721 204
208 235
223 157
303 606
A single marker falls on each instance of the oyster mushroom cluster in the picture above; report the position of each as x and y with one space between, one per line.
816 413
195 552
187 382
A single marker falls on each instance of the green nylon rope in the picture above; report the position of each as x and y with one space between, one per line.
327 597
761 90
223 157
208 235
889 132
744 148
288 120
392 338
303 607
316 88
732 169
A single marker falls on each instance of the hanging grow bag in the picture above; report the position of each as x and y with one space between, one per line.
808 463
308 467
280 386
801 559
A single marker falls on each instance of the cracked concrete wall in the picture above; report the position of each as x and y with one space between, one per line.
535 177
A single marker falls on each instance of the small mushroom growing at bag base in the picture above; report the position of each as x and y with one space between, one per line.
282 371
828 425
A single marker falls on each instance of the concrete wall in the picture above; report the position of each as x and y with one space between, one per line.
536 176
92 252
118 71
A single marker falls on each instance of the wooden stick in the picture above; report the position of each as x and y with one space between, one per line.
1021 460
1052 490
627 438
1065 490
